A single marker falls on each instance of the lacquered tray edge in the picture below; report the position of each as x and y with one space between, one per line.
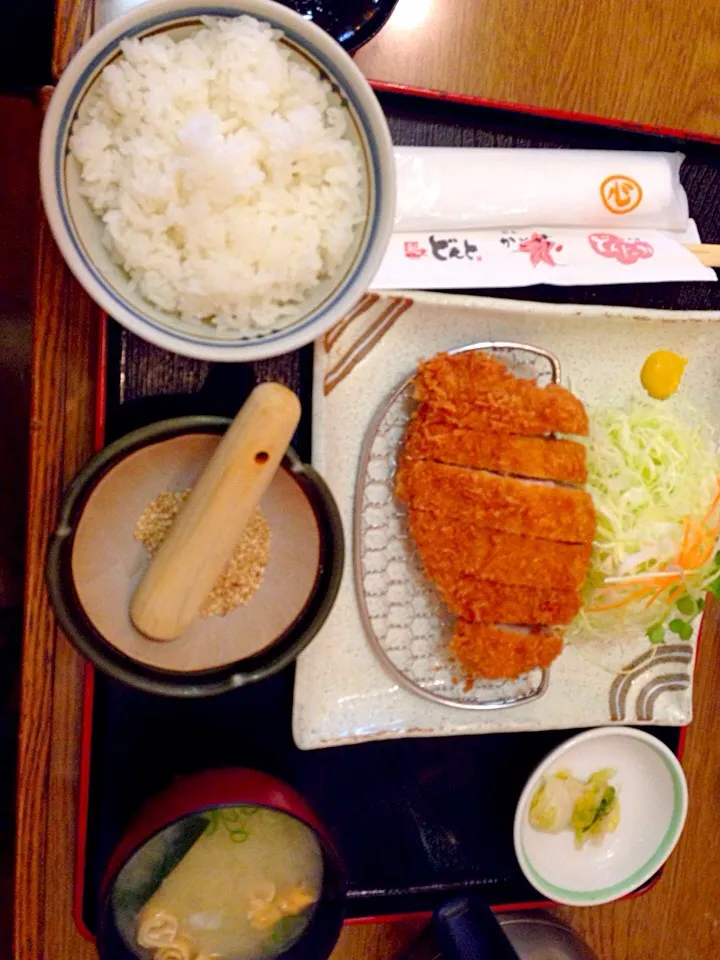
629 126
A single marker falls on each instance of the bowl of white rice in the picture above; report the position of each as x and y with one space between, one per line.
219 177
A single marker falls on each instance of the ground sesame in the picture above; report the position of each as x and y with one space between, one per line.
244 573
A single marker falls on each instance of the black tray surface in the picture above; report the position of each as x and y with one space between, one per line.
415 820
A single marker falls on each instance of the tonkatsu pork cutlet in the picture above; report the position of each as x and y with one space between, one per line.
449 550
502 536
530 507
449 376
484 650
489 601
474 391
506 411
543 458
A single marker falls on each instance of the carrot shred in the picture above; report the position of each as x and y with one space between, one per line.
714 505
686 554
636 595
703 553
654 597
698 543
686 534
675 593
698 547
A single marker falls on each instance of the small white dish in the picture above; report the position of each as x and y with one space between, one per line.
653 805
79 233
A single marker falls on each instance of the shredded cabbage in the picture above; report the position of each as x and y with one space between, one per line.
653 470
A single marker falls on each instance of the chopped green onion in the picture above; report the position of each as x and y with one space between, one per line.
238 834
233 819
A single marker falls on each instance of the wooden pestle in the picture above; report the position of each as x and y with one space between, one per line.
215 515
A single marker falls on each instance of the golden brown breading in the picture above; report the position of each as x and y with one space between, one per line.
499 503
484 650
502 542
490 601
505 411
540 457
452 550
474 391
450 376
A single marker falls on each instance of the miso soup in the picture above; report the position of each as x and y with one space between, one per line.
235 883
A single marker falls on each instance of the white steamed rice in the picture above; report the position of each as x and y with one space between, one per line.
221 169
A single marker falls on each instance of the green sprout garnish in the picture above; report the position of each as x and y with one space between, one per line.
682 628
656 634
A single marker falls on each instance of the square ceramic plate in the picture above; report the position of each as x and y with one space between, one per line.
343 694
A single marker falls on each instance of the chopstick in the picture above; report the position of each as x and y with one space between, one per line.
707 253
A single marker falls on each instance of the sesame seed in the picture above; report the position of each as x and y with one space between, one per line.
245 571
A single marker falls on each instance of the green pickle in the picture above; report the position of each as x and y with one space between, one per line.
591 809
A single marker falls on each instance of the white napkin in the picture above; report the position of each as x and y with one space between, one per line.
454 188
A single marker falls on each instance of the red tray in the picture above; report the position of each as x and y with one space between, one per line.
527 124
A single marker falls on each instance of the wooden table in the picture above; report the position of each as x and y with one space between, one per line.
649 62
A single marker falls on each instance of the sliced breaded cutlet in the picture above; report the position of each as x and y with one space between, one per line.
542 458
448 376
492 652
488 601
546 410
474 391
452 550
501 532
530 507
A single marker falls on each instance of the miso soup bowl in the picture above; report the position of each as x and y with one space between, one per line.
204 792
94 564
